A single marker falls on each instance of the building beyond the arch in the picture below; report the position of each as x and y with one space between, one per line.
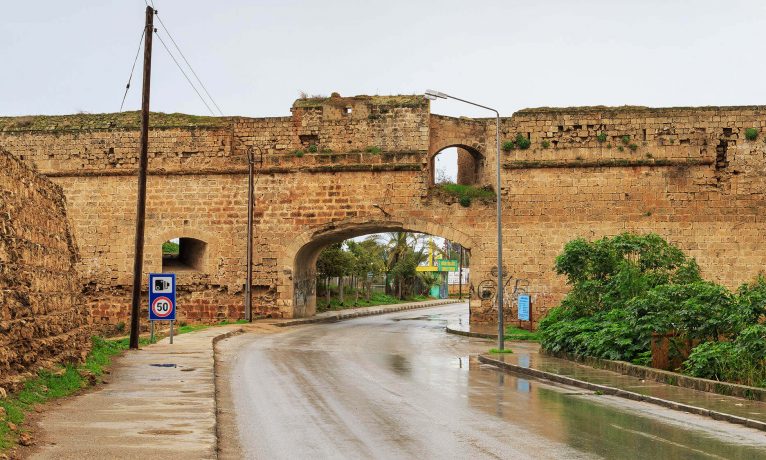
690 174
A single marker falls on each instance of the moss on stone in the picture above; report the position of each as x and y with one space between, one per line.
412 101
124 120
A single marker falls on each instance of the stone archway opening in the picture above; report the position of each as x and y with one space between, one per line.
456 164
184 254
305 272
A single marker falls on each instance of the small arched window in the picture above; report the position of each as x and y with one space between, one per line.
183 254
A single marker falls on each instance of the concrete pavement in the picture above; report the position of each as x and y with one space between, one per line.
159 404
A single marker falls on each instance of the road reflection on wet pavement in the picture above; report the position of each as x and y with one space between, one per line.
398 386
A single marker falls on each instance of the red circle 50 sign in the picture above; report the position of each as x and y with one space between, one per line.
162 307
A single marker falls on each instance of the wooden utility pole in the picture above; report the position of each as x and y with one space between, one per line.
143 162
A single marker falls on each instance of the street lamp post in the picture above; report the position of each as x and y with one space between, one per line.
433 95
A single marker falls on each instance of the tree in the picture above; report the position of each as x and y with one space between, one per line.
333 262
369 258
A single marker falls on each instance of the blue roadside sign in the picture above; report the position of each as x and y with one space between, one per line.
523 307
162 297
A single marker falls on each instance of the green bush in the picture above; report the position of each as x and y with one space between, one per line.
545 144
625 139
298 153
373 149
751 134
313 148
633 147
616 303
740 361
465 201
522 142
601 137
625 288
508 146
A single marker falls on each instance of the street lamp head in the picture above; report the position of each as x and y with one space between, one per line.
434 95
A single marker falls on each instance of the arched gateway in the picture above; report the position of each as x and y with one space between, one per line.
339 167
300 257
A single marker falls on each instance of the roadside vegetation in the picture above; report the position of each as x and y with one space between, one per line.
515 333
625 288
62 381
391 259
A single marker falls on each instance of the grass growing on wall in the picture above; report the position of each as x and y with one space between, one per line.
467 193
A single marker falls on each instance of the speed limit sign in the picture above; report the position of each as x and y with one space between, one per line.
162 297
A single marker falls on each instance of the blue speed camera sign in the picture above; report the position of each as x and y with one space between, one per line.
162 297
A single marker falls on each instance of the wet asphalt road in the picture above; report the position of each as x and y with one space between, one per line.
398 386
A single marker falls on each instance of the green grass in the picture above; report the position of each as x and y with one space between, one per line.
375 299
514 333
468 191
503 351
48 385
67 380
170 248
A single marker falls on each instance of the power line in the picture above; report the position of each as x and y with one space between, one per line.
184 73
188 64
138 51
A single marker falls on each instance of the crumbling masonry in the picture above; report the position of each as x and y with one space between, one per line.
343 167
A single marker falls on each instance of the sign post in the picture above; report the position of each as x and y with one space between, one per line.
162 299
523 302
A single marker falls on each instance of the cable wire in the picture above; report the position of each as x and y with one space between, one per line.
184 73
187 63
138 51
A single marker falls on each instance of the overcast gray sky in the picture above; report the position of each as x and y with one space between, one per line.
254 56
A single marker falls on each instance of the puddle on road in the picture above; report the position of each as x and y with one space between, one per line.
163 365
580 420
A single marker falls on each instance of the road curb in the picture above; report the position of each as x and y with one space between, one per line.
215 341
476 335
368 311
513 368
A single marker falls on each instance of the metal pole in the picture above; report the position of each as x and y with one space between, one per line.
500 325
142 166
171 331
249 277
151 335
460 275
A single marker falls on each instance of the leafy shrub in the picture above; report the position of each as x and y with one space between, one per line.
633 147
751 134
508 146
616 303
625 139
465 201
522 142
313 148
545 144
741 361
601 137
620 148
373 149
298 153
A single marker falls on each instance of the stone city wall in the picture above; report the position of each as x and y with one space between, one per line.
344 167
43 320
